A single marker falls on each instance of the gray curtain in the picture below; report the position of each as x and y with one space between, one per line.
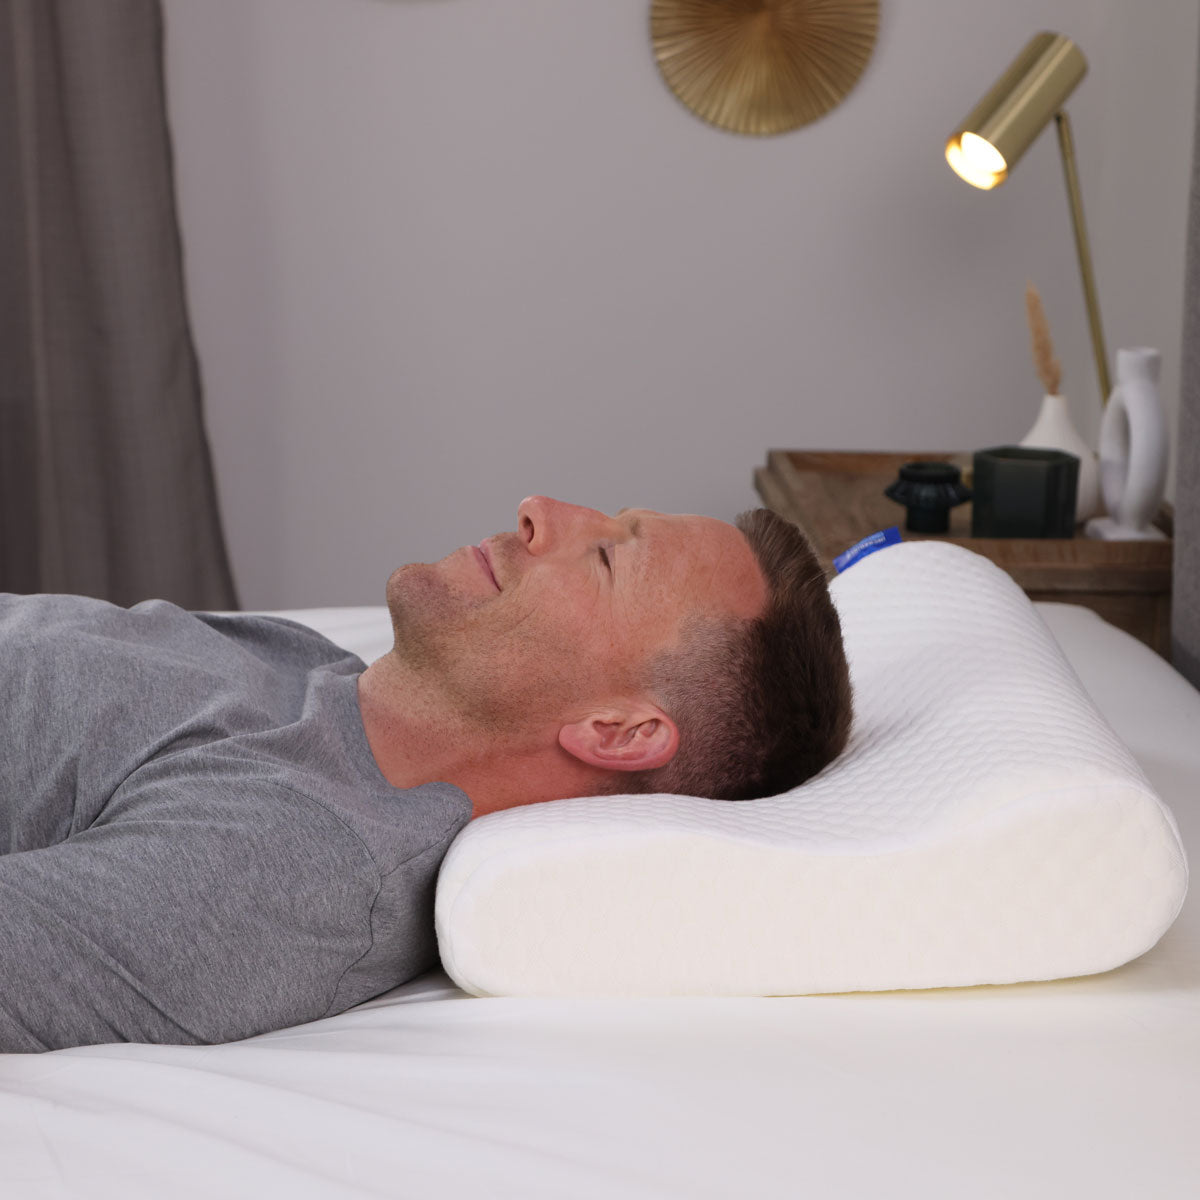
106 485
1185 601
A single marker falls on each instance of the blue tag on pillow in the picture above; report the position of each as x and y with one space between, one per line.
869 544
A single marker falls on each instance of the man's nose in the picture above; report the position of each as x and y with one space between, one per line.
544 523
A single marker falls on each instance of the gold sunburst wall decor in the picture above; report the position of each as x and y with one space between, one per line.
762 66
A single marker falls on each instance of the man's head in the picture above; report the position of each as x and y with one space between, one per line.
761 705
663 652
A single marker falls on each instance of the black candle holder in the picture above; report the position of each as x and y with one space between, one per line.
1024 492
928 490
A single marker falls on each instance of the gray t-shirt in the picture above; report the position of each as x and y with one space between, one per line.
196 843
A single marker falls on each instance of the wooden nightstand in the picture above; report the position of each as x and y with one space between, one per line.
837 498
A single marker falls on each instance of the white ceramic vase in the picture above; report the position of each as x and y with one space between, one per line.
1053 430
1133 450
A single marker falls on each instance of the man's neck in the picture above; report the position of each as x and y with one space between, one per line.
416 737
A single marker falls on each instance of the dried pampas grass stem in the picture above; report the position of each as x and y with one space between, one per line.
1047 366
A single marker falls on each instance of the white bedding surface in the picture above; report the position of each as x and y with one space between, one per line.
1080 1087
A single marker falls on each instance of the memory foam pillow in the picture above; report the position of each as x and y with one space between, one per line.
984 825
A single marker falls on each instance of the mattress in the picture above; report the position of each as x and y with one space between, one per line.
1079 1087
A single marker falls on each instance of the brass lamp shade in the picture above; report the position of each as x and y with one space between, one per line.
990 142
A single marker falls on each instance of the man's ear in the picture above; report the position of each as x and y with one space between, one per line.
636 739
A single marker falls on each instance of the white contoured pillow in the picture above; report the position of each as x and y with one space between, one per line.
984 825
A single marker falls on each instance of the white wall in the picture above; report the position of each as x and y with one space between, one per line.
445 253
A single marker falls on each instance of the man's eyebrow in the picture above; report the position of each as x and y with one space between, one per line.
635 526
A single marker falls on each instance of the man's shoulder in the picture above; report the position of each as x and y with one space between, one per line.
101 631
40 609
303 787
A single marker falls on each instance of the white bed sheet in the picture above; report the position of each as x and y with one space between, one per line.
1083 1087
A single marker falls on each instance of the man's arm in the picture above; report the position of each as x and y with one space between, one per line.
180 930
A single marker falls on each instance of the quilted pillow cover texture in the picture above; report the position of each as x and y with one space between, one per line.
984 825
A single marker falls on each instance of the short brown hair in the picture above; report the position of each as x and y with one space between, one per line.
761 705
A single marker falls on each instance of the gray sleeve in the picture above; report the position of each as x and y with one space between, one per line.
185 925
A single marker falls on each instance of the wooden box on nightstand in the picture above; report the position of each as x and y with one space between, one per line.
837 498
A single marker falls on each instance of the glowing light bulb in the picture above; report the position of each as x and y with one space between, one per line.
976 160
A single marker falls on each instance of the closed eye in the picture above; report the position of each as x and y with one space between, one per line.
605 557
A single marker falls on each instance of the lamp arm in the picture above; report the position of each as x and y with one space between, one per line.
1067 146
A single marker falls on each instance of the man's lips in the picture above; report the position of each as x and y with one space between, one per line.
485 559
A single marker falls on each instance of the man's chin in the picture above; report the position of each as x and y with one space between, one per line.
431 613
420 586
419 603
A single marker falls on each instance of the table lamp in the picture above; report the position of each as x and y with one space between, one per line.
986 146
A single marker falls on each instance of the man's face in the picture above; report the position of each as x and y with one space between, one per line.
534 627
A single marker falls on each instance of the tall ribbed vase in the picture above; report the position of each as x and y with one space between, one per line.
1054 430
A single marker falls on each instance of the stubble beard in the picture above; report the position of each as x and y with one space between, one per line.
446 642
497 672
421 608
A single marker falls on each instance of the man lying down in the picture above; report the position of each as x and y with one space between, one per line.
214 826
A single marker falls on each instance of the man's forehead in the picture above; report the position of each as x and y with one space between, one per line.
747 588
694 520
682 531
